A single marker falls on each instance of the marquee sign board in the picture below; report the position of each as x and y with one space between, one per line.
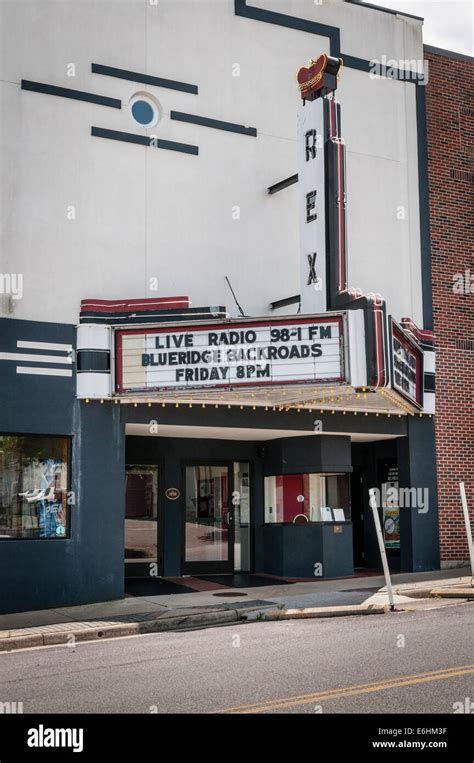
230 355
407 366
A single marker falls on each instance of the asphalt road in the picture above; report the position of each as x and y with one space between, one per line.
419 662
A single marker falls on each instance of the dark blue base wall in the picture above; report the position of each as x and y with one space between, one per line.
416 459
87 567
417 466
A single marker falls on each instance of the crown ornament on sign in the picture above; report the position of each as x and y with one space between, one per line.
319 77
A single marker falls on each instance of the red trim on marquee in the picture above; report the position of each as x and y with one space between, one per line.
135 305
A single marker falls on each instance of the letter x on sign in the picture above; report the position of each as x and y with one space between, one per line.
312 277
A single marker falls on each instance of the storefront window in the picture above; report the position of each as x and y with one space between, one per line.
301 498
33 487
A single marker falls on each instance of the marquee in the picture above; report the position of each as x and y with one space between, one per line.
230 355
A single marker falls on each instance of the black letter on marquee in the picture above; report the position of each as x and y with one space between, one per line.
310 145
312 277
310 204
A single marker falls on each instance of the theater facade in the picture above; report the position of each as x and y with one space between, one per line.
237 428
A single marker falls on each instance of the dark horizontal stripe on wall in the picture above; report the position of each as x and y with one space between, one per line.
283 184
215 123
192 313
429 382
147 79
382 71
93 361
65 92
291 22
285 302
144 140
140 319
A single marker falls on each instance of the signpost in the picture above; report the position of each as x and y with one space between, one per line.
383 553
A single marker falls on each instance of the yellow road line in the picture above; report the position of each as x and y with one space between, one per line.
349 691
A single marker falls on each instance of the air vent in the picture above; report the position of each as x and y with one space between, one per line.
467 111
463 175
465 344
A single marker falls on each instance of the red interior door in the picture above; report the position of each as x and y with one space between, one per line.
293 486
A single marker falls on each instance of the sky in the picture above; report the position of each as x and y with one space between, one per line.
448 24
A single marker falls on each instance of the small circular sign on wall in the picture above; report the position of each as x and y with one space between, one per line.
172 493
300 498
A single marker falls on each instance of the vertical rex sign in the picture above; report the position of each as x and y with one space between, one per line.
316 83
311 203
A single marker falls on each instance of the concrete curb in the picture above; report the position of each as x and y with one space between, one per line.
72 636
342 611
452 593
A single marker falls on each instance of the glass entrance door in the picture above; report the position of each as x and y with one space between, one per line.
209 519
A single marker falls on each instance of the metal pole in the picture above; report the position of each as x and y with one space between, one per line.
468 528
383 553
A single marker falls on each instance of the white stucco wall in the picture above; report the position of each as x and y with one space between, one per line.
144 213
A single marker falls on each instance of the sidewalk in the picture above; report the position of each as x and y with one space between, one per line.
142 614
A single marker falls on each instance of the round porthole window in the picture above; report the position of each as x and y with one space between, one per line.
145 110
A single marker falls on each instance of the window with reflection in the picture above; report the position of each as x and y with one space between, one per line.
303 498
33 487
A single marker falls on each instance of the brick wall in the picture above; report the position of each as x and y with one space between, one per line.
450 129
